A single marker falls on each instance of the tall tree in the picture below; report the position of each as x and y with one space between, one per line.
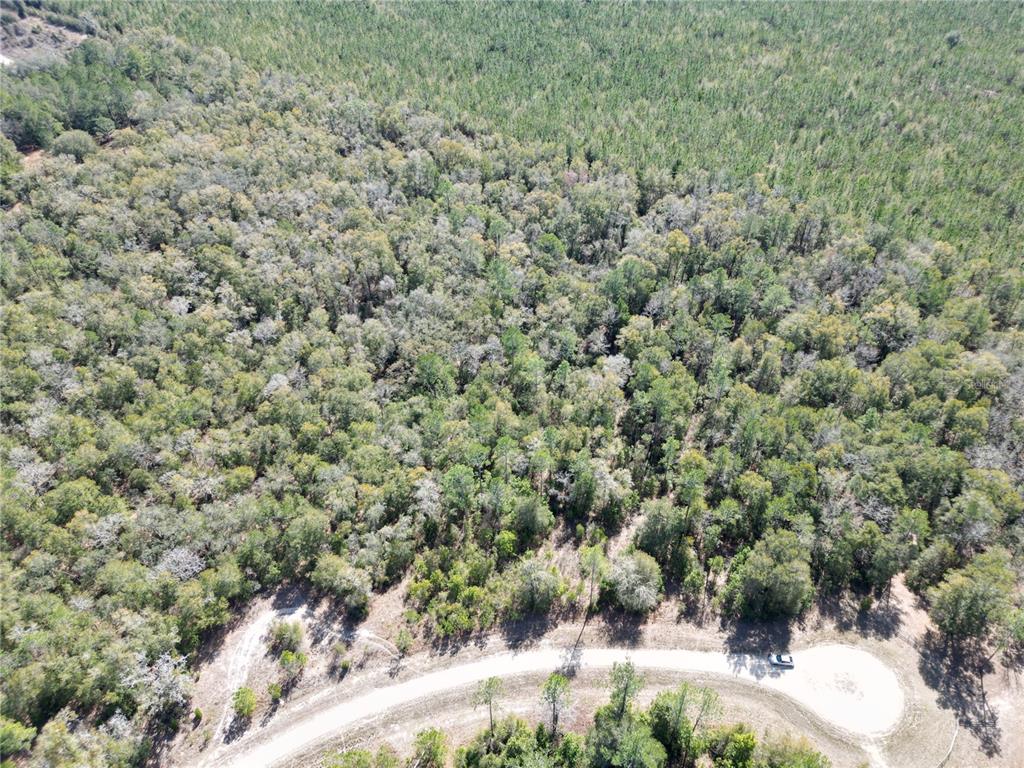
677 717
487 693
430 749
555 693
774 579
626 683
593 565
972 602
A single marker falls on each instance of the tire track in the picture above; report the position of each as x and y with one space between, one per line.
848 687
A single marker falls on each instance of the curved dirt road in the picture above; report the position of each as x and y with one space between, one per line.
242 661
850 688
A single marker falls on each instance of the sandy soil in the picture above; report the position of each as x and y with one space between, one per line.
867 689
250 647
32 159
848 687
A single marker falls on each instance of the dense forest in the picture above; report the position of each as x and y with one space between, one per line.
261 330
902 114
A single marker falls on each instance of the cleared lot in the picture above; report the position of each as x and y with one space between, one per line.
851 682
850 688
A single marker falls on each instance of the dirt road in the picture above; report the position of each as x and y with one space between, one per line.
240 663
848 687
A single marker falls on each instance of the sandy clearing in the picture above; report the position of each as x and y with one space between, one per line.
249 650
846 686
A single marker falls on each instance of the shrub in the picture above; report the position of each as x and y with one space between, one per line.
636 582
285 636
931 565
103 127
430 748
30 124
14 737
292 663
244 703
505 544
537 586
385 757
403 641
341 580
78 144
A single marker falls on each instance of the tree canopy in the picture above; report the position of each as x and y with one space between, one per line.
268 330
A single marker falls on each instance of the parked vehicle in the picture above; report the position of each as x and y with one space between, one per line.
784 660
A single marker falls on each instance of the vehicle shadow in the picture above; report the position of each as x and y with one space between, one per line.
958 676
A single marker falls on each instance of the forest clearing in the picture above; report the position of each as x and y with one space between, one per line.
844 693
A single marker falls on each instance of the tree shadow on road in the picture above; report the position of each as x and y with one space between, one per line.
748 644
958 677
757 637
623 627
756 665
519 633
882 620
